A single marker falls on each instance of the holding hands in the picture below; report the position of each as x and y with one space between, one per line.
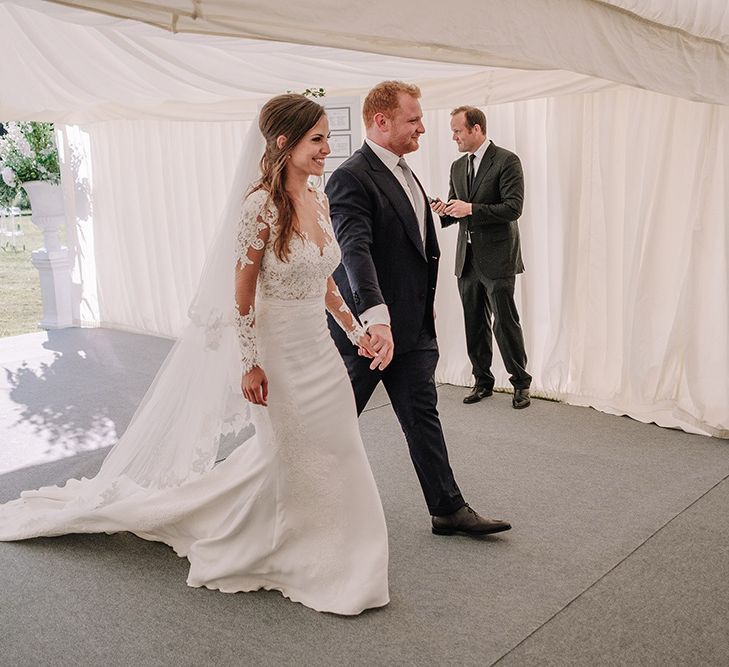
377 344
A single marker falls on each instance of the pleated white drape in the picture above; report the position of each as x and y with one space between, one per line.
158 192
624 303
625 236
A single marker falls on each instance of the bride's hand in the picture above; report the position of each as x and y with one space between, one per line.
365 346
254 385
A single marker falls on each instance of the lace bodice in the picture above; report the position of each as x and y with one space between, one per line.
305 274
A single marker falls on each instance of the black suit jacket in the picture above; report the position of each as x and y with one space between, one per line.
498 198
383 258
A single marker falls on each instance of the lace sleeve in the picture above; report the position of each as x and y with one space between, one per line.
341 313
253 234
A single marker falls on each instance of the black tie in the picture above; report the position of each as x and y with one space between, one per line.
471 172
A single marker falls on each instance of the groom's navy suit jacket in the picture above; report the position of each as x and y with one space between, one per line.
383 256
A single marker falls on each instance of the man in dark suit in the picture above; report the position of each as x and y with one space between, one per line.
387 277
485 198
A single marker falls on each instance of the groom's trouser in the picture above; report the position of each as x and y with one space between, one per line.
409 382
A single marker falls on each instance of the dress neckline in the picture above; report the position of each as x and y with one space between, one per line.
321 219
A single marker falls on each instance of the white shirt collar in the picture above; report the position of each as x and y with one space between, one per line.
387 156
481 150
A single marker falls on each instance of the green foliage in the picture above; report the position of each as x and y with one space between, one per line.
312 92
27 153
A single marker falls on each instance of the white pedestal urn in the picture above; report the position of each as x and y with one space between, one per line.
52 260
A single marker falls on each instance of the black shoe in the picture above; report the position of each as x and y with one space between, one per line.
521 399
477 393
466 521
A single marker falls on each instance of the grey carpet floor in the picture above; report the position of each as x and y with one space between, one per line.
617 556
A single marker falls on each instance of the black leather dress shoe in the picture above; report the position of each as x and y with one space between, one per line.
521 399
477 393
466 521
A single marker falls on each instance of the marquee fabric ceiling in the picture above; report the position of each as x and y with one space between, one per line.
678 47
64 62
74 66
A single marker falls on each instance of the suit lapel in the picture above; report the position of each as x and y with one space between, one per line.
392 189
486 163
460 177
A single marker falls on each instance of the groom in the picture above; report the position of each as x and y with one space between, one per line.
387 276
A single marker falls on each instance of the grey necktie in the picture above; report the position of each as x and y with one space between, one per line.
418 200
471 171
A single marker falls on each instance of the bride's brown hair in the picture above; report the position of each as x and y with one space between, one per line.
292 116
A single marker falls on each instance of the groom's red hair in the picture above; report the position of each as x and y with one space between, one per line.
383 98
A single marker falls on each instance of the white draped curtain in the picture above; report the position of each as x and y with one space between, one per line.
156 192
624 302
625 298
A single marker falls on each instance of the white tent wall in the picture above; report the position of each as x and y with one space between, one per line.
625 234
157 193
624 302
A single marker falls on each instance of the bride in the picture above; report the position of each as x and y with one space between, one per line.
294 508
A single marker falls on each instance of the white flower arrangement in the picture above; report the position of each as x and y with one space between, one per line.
27 153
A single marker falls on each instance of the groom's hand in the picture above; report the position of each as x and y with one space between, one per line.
364 346
382 345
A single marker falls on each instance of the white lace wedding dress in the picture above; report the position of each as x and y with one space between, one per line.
294 508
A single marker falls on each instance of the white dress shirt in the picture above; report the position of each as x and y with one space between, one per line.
391 160
479 152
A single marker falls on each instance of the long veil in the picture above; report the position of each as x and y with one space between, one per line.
193 406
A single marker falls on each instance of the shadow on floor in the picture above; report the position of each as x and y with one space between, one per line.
56 389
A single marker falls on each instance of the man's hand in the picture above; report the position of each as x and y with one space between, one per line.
438 206
254 385
364 346
458 209
382 345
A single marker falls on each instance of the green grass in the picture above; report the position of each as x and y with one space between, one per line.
20 296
